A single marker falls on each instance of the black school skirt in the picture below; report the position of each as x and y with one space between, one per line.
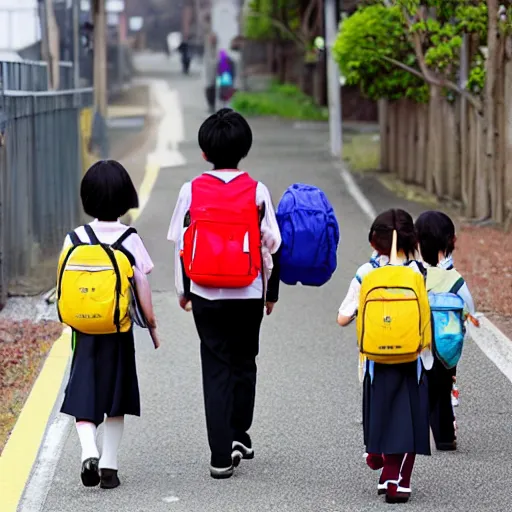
103 378
396 410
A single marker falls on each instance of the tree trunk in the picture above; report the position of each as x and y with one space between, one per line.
487 181
384 135
508 135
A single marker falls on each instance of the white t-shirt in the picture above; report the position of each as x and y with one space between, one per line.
271 241
110 232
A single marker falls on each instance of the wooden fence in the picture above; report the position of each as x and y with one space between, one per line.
440 146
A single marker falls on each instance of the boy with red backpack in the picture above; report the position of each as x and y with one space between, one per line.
227 239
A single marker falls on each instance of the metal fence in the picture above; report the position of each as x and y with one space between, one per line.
40 171
33 76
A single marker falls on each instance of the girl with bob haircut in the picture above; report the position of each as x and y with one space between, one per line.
436 238
395 396
103 385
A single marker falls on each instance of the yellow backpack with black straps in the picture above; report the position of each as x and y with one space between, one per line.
393 321
94 285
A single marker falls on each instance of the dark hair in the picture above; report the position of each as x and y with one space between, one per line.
107 191
381 232
436 233
225 138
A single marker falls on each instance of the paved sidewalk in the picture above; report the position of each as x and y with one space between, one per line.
307 433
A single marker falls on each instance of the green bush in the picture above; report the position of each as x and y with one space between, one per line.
281 100
366 39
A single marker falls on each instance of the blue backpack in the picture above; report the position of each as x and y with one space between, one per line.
310 234
448 329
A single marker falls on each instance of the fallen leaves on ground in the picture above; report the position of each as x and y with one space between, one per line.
23 348
483 257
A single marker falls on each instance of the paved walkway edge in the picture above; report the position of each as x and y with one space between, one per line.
491 341
25 441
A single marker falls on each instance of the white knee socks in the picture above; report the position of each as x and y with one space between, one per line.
112 434
87 434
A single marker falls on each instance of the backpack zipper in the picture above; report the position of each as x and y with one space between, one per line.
89 268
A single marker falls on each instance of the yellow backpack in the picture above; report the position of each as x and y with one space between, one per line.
94 285
393 321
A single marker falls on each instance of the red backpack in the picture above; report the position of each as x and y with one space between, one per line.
222 245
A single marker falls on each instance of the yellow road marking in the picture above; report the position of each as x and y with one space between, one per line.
22 449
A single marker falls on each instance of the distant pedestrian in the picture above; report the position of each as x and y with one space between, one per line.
210 71
436 237
226 76
98 267
225 232
389 299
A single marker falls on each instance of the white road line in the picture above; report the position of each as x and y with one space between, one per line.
44 469
494 344
355 191
491 341
171 132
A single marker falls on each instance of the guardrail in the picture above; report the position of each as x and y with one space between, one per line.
40 172
33 75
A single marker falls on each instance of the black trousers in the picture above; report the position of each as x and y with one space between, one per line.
440 381
229 332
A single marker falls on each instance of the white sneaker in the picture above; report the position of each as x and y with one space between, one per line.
455 395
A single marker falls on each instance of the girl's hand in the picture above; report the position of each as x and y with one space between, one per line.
474 320
155 338
345 320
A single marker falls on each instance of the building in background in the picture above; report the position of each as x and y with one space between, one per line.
20 28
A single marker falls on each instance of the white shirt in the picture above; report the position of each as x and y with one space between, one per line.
110 232
271 241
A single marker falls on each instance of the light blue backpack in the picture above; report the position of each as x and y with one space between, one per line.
448 328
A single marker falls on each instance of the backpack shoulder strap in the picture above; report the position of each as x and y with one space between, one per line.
117 244
458 285
420 266
75 239
92 235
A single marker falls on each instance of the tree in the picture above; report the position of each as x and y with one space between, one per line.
286 23
435 41
299 21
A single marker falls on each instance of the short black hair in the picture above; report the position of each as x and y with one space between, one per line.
225 138
107 191
381 232
436 233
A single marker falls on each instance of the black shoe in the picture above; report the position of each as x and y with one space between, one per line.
221 473
447 447
236 457
109 479
246 451
90 474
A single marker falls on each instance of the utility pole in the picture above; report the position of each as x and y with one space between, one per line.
333 78
100 135
76 43
100 57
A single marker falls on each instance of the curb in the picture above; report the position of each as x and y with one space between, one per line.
22 448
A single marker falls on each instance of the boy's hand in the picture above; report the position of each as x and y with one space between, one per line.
270 307
183 302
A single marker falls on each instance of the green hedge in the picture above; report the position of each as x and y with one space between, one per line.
285 101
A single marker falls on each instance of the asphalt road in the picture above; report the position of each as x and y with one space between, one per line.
307 435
